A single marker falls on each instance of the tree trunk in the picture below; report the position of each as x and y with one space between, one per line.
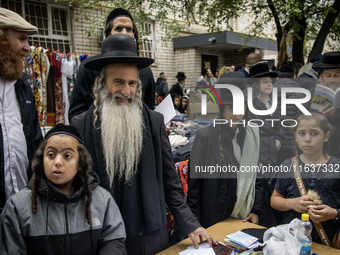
298 44
324 30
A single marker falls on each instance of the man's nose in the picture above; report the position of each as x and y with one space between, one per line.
26 47
126 90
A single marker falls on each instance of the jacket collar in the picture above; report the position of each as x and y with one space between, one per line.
52 193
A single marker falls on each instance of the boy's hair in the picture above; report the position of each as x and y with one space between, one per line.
176 96
84 163
324 125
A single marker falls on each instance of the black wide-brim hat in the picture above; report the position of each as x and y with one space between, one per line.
258 71
232 78
181 76
330 60
117 48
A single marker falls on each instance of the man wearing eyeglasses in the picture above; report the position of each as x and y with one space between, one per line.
119 21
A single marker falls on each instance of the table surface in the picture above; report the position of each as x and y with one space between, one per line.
229 226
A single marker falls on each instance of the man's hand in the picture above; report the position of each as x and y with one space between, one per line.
326 111
254 218
321 213
201 232
299 204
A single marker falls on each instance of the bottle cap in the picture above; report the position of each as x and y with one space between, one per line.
304 216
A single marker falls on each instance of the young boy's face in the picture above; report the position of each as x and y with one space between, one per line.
177 102
184 102
61 161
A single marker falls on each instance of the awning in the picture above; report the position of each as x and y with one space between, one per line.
224 40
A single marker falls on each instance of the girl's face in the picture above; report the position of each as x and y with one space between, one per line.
266 86
310 137
231 118
61 161
177 102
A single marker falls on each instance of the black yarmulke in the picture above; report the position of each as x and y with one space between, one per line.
64 129
118 12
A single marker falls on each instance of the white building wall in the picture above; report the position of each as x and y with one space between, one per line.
82 43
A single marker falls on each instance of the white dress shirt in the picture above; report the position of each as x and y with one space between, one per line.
14 141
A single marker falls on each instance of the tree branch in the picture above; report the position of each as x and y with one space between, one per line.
324 30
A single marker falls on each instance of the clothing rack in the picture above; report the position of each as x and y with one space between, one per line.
52 75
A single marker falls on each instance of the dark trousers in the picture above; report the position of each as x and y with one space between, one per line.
148 243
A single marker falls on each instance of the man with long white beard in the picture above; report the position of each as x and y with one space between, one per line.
20 132
131 151
329 76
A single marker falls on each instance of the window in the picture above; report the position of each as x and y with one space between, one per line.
52 21
147 47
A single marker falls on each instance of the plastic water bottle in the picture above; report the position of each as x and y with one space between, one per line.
306 242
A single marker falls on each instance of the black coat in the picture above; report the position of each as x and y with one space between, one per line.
82 97
292 112
142 200
31 128
213 200
308 81
161 87
268 134
176 90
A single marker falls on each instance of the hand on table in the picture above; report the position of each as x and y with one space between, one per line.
201 232
252 217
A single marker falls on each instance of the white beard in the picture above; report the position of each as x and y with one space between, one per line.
122 136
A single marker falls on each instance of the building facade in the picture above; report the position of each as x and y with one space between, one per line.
66 29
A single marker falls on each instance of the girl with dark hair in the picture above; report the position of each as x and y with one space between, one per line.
319 173
69 213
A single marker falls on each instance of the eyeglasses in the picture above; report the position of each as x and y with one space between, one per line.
120 29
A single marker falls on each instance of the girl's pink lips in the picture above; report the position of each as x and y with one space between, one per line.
57 172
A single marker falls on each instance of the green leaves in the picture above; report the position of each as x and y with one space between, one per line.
299 18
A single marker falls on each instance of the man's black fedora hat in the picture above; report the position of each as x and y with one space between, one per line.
117 48
181 76
330 60
260 70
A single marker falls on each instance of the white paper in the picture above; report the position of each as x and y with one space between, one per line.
166 107
204 249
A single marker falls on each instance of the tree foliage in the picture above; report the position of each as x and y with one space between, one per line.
302 20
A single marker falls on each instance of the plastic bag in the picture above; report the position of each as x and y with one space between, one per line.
283 239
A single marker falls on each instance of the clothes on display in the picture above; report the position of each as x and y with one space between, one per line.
52 76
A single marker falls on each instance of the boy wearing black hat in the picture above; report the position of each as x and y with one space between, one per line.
20 130
119 21
177 89
231 144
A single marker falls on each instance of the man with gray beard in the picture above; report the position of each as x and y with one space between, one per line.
131 151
